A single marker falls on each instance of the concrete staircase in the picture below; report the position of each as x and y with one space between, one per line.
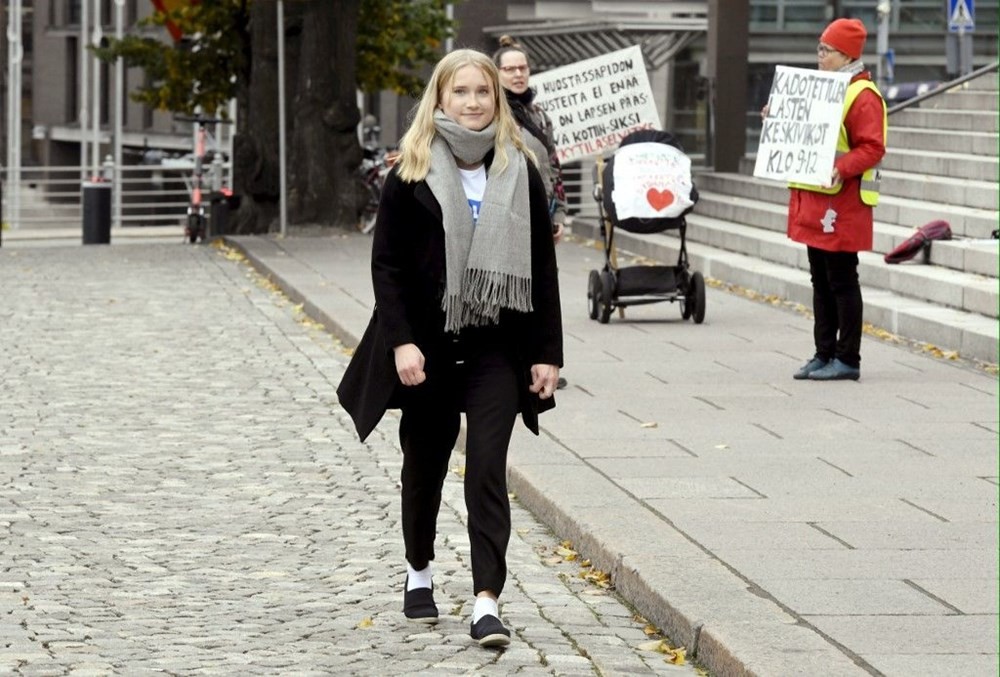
941 164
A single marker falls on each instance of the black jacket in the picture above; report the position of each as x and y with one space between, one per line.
408 274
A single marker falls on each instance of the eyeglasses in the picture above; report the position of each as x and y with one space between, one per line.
823 50
515 69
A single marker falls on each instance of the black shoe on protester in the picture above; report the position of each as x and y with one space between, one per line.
815 364
419 606
490 632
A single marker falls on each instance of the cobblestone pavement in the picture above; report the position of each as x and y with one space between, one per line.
181 495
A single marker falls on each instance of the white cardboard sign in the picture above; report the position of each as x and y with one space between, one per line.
798 138
652 180
595 103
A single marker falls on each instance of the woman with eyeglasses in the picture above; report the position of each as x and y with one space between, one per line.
512 62
835 221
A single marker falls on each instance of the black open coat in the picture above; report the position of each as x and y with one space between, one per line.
408 274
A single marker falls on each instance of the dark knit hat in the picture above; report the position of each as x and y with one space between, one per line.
847 36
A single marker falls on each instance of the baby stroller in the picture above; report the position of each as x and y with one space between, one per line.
645 187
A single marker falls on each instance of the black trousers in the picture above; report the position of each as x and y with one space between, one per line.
476 374
837 305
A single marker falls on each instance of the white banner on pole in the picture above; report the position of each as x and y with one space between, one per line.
597 102
798 138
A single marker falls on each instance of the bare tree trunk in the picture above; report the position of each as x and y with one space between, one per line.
321 115
255 147
324 187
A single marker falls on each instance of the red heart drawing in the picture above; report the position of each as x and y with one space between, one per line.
659 199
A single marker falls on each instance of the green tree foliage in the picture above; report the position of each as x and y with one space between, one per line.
203 69
397 39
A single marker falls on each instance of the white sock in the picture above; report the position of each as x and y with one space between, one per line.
485 606
418 579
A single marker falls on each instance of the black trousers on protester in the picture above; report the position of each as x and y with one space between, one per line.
837 305
478 375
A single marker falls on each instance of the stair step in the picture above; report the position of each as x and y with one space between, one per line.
967 222
971 334
943 140
957 288
947 119
977 255
985 83
944 190
962 98
954 165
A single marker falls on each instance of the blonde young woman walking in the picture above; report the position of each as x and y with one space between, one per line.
467 319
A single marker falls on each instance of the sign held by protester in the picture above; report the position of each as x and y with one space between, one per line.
595 103
798 138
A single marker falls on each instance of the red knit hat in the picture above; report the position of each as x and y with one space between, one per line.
847 36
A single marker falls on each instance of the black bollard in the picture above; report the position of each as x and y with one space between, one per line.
96 212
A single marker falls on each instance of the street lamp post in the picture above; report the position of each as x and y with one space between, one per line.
84 90
883 70
15 55
119 114
283 193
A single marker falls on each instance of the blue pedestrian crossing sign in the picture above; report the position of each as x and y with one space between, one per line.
961 16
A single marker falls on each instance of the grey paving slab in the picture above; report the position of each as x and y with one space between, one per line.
684 459
181 494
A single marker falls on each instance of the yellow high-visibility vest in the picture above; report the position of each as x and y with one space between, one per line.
872 177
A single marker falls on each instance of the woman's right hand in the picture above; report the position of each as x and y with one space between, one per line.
409 364
764 111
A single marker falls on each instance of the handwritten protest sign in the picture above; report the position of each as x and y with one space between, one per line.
798 140
595 103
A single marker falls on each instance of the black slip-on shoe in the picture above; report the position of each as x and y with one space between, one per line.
836 371
419 606
490 632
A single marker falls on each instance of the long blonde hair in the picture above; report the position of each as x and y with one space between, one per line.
415 146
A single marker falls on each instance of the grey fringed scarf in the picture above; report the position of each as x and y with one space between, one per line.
854 67
488 265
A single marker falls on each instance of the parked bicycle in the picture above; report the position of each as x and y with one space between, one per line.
375 165
195 228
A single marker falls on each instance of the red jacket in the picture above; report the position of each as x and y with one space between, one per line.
853 222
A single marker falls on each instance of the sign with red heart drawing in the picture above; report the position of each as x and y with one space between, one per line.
659 199
651 180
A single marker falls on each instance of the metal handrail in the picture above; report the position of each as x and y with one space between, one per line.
944 87
51 196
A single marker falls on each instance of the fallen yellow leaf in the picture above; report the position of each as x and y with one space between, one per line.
365 623
677 656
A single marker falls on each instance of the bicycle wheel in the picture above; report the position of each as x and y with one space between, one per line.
195 228
370 213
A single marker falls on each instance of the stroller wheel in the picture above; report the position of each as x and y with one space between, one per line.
594 294
698 298
607 296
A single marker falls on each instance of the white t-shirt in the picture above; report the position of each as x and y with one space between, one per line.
474 183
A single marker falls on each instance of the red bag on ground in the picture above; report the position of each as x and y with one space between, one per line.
935 230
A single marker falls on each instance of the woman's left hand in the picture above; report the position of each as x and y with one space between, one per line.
544 378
